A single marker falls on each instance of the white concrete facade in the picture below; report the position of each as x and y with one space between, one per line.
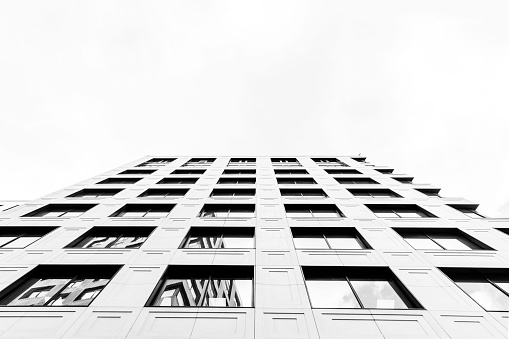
282 306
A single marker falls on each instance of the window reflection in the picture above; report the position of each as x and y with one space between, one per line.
378 294
331 294
486 295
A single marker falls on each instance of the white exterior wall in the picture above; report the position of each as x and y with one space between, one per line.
282 307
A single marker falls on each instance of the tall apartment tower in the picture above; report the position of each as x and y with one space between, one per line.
266 247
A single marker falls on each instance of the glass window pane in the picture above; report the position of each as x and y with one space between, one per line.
51 214
502 284
377 294
237 242
72 214
325 214
486 295
5 240
132 214
318 242
299 214
203 242
98 242
410 214
345 243
156 214
38 292
21 242
331 294
244 292
452 243
128 242
423 243
386 214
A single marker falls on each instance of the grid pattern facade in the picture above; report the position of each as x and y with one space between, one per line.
261 247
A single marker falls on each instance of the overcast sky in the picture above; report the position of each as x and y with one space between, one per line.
421 86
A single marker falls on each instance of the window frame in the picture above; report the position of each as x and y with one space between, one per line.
311 214
77 195
431 233
220 232
56 208
122 210
330 232
111 231
145 194
17 232
391 207
227 208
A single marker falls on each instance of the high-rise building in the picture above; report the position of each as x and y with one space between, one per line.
266 247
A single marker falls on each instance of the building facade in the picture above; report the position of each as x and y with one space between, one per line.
265 247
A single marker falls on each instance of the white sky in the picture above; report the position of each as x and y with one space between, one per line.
421 86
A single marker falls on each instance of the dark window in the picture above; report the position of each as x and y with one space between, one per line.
296 181
199 162
58 285
143 211
219 237
312 211
440 239
242 162
113 237
290 171
385 170
60 211
188 171
205 286
156 162
240 192
341 238
285 162
95 193
360 159
356 181
177 181
469 210
329 162
21 236
399 211
374 193
138 172
405 180
239 171
236 181
430 192
489 287
504 230
227 211
161 193
310 192
343 171
119 181
356 287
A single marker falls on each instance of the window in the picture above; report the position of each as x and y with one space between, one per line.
225 193
290 171
296 181
198 162
329 162
113 237
374 193
285 162
385 170
21 236
430 192
137 172
236 181
356 287
407 181
399 211
143 211
313 211
205 286
309 192
340 238
177 181
156 162
219 237
356 181
60 211
489 287
162 193
188 171
119 181
227 211
343 171
58 285
242 162
360 159
469 210
440 239
239 171
95 193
